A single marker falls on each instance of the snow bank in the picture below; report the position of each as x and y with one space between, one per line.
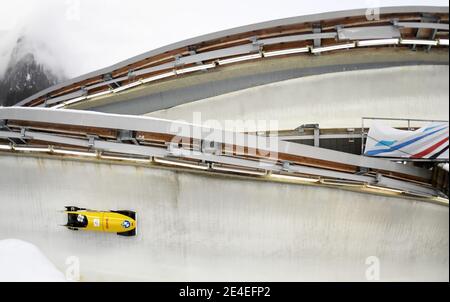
21 261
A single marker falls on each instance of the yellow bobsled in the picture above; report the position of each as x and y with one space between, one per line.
121 222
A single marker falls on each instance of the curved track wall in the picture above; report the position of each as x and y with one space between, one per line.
397 92
193 227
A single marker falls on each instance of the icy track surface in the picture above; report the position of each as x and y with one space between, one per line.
192 227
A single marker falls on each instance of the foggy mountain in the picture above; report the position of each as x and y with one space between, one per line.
24 76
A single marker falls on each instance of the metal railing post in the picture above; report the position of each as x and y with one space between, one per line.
362 136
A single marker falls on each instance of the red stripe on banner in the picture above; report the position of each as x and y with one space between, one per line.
430 149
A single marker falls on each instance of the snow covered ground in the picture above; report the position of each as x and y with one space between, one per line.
21 261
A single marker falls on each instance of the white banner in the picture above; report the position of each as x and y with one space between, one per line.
429 142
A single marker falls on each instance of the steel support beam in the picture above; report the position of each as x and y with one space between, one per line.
401 185
321 136
426 25
269 145
316 137
128 149
296 38
221 53
312 19
369 32
66 97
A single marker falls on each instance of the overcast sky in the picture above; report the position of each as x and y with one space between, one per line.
84 35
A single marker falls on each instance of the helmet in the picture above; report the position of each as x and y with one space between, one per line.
80 218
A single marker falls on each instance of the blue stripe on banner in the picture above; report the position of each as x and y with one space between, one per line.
404 144
432 127
386 143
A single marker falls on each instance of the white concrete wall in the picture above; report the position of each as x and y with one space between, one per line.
333 100
192 227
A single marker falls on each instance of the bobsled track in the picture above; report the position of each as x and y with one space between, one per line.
191 229
221 207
